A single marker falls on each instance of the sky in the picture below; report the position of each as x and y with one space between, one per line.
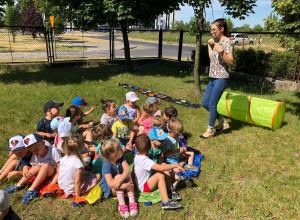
261 11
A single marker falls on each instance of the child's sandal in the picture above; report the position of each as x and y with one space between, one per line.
175 195
170 205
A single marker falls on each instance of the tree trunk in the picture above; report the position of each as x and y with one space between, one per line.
197 52
126 45
197 64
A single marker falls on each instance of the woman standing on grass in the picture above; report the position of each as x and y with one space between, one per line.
220 50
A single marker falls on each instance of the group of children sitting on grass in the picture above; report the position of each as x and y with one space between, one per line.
76 155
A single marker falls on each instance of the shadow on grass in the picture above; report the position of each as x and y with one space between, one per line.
27 74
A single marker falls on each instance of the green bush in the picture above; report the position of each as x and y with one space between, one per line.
282 65
251 61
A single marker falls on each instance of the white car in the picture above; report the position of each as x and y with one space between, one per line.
238 39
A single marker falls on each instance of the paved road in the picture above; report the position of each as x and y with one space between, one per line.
94 50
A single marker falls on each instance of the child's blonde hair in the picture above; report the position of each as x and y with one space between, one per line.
73 146
149 108
73 111
175 126
157 121
102 133
110 147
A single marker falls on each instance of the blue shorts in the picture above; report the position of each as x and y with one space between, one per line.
171 160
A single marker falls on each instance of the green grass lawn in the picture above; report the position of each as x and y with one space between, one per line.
249 172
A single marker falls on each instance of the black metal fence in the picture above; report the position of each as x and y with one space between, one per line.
18 44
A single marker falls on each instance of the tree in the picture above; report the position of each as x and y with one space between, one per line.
32 19
272 18
258 28
2 8
179 25
289 21
230 24
235 8
12 19
89 13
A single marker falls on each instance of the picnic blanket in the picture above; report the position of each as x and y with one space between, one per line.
159 95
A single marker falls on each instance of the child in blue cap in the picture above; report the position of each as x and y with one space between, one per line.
81 103
124 128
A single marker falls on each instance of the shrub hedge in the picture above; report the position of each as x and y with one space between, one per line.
256 62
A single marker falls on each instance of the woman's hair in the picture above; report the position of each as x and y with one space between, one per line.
110 147
102 133
170 112
73 111
157 121
73 146
149 108
106 104
221 22
175 126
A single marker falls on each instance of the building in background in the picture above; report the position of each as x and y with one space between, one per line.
165 21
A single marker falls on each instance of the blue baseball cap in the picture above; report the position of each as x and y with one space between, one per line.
55 122
152 100
65 129
79 101
157 133
122 113
16 143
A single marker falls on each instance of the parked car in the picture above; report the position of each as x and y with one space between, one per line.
237 39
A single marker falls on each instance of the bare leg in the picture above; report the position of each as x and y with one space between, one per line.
45 171
14 173
158 179
191 156
10 167
34 170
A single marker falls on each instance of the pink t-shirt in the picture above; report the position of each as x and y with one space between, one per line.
147 124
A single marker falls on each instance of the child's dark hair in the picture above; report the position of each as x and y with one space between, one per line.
157 121
110 147
73 111
221 22
149 108
106 104
170 112
73 146
175 126
102 133
143 144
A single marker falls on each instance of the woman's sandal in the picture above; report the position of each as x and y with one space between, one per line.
209 136
170 205
222 127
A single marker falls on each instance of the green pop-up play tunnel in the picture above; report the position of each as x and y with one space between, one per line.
257 111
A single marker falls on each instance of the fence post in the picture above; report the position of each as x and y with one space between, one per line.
297 62
46 40
180 45
12 58
113 45
160 39
110 51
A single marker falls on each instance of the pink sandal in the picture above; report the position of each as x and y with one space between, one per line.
123 209
133 208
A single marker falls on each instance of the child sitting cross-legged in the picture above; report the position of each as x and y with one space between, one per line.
124 128
44 161
173 149
156 153
116 177
149 175
109 116
18 161
72 178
